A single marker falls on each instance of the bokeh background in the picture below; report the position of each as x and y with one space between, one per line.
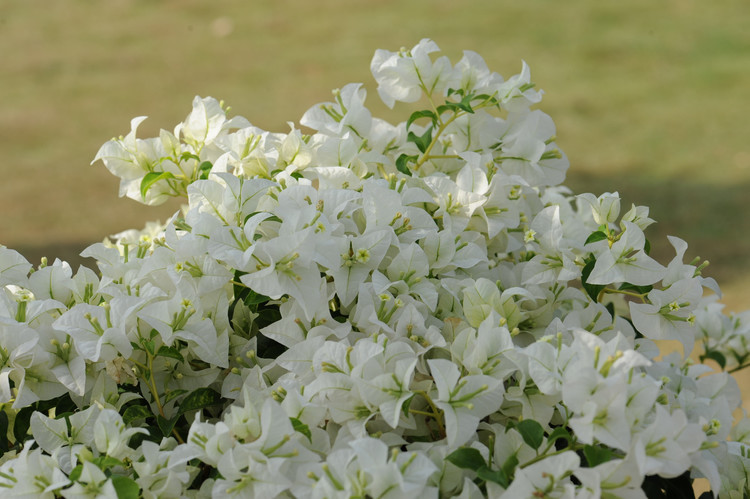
650 98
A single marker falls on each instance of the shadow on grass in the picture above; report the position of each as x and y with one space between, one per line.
712 219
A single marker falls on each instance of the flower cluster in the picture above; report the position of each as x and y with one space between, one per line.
369 310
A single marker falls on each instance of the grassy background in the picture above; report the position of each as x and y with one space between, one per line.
650 98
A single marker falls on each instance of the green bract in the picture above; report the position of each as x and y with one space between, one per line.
369 310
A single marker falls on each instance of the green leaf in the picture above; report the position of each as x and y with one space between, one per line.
465 103
532 432
647 247
421 141
173 394
254 298
135 412
421 114
592 290
105 462
509 466
149 345
716 356
610 306
150 179
22 422
626 286
466 458
166 425
680 487
301 427
496 476
171 352
596 236
448 106
75 474
125 487
188 155
596 455
405 406
199 399
402 163
4 447
558 433
204 169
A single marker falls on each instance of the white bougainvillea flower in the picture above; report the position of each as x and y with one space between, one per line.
13 267
669 315
605 209
625 260
347 114
463 400
92 483
32 474
549 477
405 75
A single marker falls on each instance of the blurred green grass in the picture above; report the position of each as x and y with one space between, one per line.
650 98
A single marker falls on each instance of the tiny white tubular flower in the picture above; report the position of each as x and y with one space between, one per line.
625 260
463 400
13 267
404 75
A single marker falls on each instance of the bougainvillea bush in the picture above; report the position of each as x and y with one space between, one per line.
371 310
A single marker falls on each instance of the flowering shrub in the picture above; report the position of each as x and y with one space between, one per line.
373 310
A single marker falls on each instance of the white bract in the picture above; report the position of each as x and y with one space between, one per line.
377 310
